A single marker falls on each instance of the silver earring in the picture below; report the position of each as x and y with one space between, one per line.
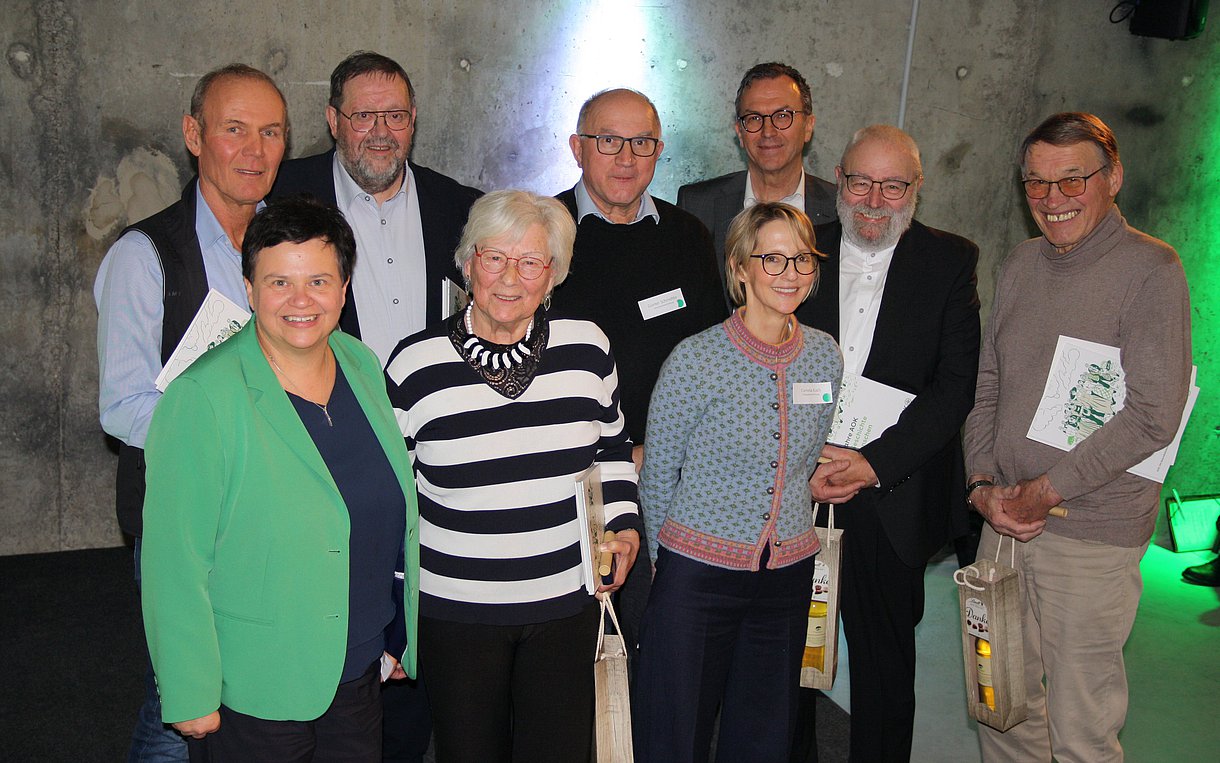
546 302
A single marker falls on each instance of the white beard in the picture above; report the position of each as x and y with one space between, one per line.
881 236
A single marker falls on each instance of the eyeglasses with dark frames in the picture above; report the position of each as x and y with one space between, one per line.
1072 186
774 263
494 261
364 121
862 185
780 120
611 145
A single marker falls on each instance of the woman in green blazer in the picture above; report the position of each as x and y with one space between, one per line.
280 505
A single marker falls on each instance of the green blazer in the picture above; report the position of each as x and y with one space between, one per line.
244 556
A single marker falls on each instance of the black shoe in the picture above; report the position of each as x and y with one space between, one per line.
1207 573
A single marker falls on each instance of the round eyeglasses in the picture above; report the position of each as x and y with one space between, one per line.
363 121
1068 186
862 185
611 145
780 120
494 261
774 263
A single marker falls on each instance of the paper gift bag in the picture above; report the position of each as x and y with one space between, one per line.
613 698
992 646
821 659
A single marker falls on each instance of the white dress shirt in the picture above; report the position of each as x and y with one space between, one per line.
390 282
861 284
794 199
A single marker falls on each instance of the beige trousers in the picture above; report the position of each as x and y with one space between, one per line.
1080 600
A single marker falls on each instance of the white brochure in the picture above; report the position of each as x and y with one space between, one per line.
866 409
218 319
1085 388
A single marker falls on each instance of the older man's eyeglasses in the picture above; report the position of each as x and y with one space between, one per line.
363 121
780 120
611 145
774 263
862 185
1068 186
494 261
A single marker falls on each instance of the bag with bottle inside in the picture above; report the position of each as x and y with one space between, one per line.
990 598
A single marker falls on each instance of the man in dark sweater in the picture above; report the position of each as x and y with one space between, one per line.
1090 277
643 270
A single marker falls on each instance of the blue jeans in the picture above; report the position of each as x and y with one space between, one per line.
151 740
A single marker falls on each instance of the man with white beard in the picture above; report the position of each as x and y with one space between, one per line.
900 299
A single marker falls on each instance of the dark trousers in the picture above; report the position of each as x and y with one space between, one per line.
348 732
717 638
882 602
406 725
519 693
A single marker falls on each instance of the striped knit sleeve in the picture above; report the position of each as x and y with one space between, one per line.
620 490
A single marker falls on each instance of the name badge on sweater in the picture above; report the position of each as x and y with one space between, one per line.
811 393
661 304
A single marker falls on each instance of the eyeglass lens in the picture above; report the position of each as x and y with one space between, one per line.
363 121
495 262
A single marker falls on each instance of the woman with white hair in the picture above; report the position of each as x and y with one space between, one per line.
502 407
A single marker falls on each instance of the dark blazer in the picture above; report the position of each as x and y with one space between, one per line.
927 343
716 202
443 206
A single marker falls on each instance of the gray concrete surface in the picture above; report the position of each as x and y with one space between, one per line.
93 92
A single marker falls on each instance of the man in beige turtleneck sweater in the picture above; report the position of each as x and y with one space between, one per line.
1089 276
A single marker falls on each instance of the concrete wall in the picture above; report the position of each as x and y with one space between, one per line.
93 93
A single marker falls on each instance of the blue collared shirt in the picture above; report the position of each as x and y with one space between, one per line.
129 290
390 281
586 206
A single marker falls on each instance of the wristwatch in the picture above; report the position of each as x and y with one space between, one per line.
974 486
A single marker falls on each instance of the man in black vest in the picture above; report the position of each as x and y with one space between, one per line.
155 277
407 218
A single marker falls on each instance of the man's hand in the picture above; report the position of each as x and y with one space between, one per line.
990 501
1032 500
200 727
847 473
625 546
637 457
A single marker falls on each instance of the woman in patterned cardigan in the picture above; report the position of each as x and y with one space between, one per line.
737 420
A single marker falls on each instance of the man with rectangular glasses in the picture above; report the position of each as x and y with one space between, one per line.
407 218
642 270
1089 276
773 119
900 299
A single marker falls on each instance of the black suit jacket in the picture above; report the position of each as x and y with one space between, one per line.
716 202
927 343
443 206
